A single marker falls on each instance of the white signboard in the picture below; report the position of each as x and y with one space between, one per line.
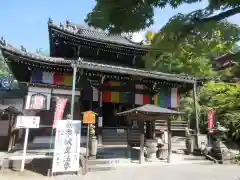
67 146
28 122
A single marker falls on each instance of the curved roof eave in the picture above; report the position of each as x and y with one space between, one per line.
36 58
70 33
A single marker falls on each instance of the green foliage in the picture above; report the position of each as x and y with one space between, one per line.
43 52
133 15
92 131
194 55
224 98
3 67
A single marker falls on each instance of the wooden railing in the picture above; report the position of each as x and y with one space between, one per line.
175 125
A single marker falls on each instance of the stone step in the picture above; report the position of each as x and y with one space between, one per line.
100 168
116 142
40 165
108 161
192 158
105 164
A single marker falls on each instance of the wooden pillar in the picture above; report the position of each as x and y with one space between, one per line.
142 140
195 106
133 106
196 113
133 95
91 105
141 156
150 125
169 140
100 118
148 129
129 142
10 132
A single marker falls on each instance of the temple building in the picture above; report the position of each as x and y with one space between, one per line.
110 78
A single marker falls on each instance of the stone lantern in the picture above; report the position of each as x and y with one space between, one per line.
220 150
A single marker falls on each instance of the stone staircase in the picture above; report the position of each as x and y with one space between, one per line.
107 159
119 136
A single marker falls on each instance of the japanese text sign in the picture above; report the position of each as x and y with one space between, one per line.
28 122
67 146
211 120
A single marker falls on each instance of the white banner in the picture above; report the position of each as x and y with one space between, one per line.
67 146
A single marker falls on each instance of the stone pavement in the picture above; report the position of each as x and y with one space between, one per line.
171 172
166 172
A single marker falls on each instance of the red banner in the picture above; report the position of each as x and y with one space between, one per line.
211 120
60 106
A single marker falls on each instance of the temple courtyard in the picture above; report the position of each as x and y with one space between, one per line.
166 172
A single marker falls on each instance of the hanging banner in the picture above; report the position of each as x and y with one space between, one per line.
67 146
211 120
60 106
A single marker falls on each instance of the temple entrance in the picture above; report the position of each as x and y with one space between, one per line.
109 114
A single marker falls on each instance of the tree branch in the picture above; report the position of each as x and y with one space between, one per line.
221 16
187 29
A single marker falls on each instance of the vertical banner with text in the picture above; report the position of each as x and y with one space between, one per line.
60 106
211 120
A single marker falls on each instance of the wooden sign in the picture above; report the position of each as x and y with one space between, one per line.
89 117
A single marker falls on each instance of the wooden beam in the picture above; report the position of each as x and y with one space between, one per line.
142 117
125 88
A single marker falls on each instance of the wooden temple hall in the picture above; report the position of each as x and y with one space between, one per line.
110 78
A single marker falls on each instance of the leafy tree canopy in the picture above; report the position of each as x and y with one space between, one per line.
195 54
43 52
3 67
133 15
224 98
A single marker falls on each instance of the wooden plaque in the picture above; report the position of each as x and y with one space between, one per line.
89 117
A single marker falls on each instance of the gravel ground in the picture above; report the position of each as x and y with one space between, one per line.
167 172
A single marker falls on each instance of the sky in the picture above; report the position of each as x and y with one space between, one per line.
24 22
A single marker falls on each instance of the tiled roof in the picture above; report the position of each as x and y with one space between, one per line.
149 108
97 35
33 56
85 64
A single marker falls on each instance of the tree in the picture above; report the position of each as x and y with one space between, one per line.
133 15
3 67
43 52
224 98
194 55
